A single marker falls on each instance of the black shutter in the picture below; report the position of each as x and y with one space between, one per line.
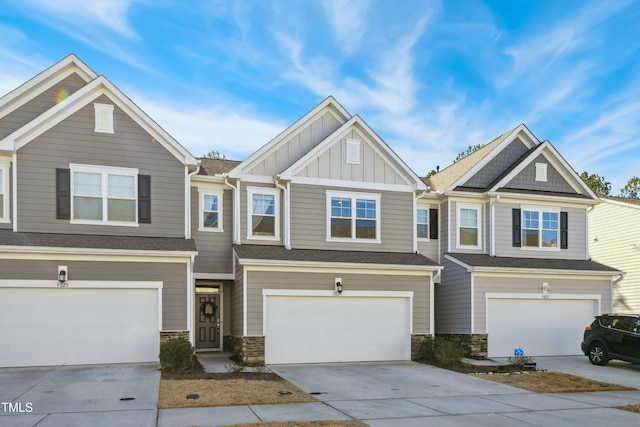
144 199
433 224
517 231
564 230
63 194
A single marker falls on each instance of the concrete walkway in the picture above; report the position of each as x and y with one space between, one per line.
412 394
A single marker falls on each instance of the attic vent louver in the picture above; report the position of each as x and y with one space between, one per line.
541 172
104 118
353 151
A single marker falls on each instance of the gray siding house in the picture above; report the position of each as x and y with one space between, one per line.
514 246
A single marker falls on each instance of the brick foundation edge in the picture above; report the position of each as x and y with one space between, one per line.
250 350
475 346
169 335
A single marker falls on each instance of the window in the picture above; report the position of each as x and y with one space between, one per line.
263 211
541 172
540 228
469 229
422 221
104 118
4 192
210 210
353 216
353 151
103 195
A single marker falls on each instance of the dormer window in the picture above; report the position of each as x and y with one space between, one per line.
541 172
353 151
104 118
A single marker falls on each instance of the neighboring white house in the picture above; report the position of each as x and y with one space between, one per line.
614 230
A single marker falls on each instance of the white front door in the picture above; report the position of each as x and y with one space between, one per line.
40 327
541 327
308 329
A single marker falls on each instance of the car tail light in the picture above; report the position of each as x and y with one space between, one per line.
587 328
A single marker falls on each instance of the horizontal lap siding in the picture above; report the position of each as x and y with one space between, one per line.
39 105
309 221
259 280
236 307
533 285
172 275
453 300
74 141
214 248
577 234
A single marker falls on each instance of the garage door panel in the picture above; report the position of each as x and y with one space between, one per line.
336 329
550 327
78 326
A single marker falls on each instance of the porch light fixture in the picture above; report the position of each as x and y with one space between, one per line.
62 276
338 283
545 288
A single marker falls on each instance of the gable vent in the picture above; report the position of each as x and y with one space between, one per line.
104 118
353 151
541 172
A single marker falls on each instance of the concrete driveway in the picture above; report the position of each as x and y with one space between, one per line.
96 395
615 371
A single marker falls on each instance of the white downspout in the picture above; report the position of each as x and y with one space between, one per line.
236 209
492 224
287 212
187 211
14 185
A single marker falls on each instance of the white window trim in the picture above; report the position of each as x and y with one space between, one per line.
353 196
210 192
101 109
4 190
104 171
352 146
540 210
428 223
263 190
477 207
541 172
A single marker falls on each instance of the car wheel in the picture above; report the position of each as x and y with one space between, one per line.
598 354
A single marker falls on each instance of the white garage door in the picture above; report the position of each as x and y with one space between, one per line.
550 327
308 329
78 326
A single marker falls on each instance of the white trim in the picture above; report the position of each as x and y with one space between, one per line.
104 172
251 191
329 293
540 210
470 206
473 307
377 197
82 284
356 185
340 268
191 290
214 276
4 191
91 254
14 191
245 315
458 262
432 314
329 104
103 118
208 191
352 151
541 172
425 207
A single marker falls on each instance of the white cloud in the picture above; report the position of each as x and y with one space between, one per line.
348 20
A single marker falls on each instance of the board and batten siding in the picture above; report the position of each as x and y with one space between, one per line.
513 284
453 300
174 277
214 247
259 280
74 141
297 145
373 167
309 220
614 231
577 248
41 103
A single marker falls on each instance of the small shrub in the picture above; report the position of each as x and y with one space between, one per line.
439 351
426 350
176 354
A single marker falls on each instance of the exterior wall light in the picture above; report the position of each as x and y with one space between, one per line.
545 288
338 283
62 276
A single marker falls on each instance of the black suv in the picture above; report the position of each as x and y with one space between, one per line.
612 336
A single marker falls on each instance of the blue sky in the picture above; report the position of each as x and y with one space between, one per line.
431 78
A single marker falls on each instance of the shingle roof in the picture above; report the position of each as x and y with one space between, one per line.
443 179
482 260
622 199
90 241
279 253
216 166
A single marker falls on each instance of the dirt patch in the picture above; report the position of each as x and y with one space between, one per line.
551 382
351 423
631 408
228 392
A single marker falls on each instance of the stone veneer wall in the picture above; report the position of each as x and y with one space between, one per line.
475 345
169 335
249 349
416 339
